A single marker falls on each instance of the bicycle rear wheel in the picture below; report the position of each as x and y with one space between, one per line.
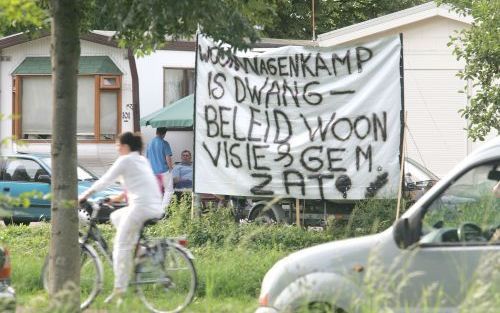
166 284
91 276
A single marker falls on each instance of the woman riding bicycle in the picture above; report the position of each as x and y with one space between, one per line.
144 202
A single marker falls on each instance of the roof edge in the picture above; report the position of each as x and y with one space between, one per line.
190 45
393 20
106 38
20 38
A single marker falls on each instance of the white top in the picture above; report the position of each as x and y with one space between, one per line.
135 173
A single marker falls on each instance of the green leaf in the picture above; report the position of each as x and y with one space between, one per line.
25 202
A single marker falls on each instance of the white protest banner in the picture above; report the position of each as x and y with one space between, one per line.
299 122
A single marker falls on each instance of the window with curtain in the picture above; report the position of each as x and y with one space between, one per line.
178 83
35 105
36 101
85 121
108 115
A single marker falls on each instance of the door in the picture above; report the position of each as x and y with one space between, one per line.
19 177
459 248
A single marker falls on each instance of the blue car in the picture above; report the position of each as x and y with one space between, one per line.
22 173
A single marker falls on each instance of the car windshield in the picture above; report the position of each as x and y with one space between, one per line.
418 172
82 173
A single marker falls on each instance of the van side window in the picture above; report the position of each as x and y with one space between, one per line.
468 212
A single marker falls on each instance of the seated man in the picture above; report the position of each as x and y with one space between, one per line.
183 172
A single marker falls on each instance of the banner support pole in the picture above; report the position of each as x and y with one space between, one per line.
401 174
297 212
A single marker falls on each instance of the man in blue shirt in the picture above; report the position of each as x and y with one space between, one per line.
159 154
183 172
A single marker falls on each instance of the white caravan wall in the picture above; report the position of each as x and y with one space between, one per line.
150 71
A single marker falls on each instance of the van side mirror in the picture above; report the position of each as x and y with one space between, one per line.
43 179
494 175
402 233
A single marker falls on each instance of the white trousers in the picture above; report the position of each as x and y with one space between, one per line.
168 184
128 222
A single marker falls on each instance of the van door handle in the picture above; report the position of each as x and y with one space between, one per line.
6 189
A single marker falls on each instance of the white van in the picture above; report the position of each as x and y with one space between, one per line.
444 246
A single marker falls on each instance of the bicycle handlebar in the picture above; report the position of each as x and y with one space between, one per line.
96 206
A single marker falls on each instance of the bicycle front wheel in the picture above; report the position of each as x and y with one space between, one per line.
91 276
166 284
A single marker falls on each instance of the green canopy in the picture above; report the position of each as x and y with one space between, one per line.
177 115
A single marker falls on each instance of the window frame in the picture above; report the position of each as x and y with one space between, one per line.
185 80
117 84
17 107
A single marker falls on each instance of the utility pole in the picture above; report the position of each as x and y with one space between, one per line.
313 22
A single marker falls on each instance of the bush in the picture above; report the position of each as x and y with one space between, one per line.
217 228
368 217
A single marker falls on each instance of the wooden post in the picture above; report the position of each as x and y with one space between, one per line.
192 204
401 174
297 212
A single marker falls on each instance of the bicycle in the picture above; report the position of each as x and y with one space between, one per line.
163 267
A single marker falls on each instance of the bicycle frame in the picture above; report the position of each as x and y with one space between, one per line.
151 260
94 237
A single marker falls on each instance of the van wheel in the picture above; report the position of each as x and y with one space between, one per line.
266 217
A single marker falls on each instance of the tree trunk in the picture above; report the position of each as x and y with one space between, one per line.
64 266
136 112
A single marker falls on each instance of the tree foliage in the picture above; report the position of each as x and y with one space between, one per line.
143 25
20 15
294 18
479 47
